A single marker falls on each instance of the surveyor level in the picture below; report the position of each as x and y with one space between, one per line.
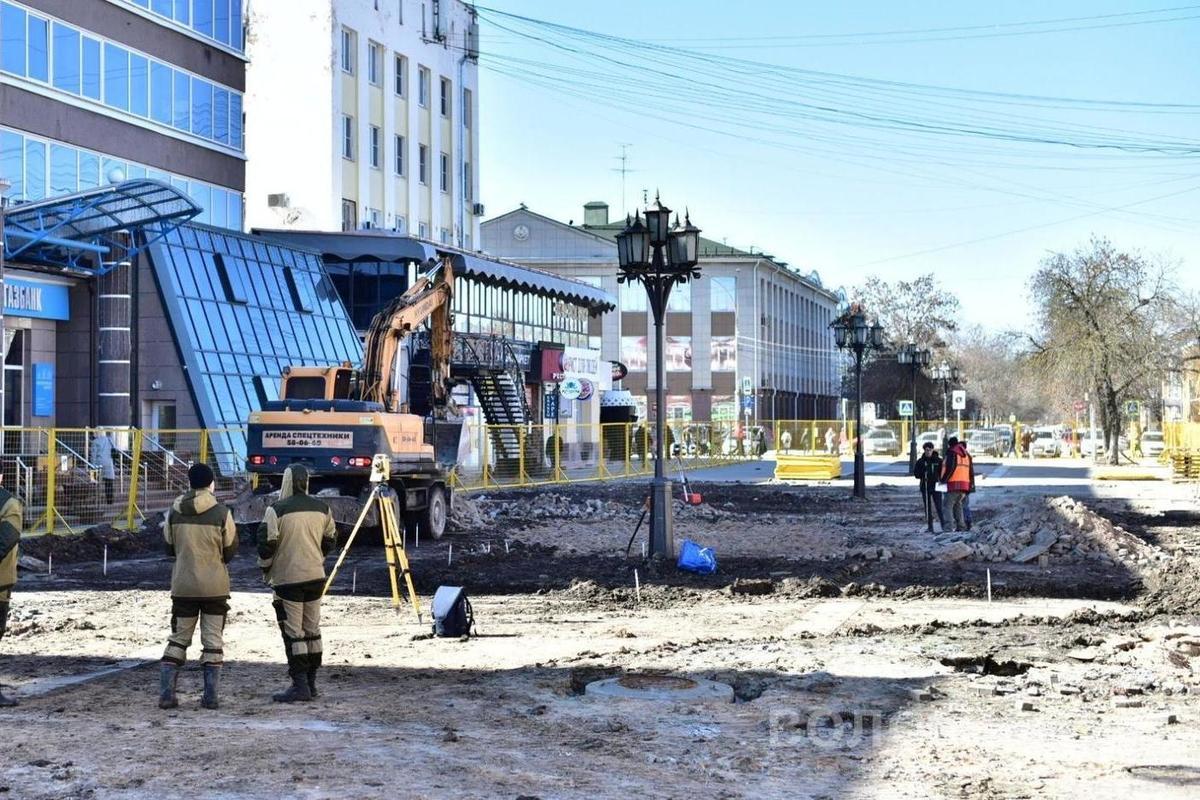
383 498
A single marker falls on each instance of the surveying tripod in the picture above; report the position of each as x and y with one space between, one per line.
384 499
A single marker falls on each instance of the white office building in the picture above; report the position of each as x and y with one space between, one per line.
363 115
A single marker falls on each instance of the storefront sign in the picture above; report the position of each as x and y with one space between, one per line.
550 406
25 298
334 440
571 388
43 390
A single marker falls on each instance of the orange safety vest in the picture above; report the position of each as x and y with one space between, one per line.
961 474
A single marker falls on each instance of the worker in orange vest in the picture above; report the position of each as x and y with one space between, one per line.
958 473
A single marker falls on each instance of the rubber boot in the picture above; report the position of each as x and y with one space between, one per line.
312 682
168 677
297 692
212 680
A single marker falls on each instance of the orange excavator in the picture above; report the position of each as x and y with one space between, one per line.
336 419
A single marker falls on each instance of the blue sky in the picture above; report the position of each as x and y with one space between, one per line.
822 197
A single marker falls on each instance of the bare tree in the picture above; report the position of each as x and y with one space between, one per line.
1110 322
919 311
999 377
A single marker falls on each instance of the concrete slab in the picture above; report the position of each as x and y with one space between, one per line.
670 688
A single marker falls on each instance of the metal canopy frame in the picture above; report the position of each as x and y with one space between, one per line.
65 231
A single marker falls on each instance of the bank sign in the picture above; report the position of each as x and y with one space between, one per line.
23 298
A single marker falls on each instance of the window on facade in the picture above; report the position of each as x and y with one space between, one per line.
466 108
423 164
374 64
723 294
39 49
444 172
398 164
90 70
423 230
444 235
401 75
423 87
183 101
679 353
376 147
467 189
347 137
66 59
632 297
374 217
232 279
12 39
349 215
445 97
116 77
681 298
633 353
349 42
724 353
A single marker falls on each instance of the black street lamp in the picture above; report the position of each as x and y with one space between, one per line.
852 332
915 358
946 374
659 255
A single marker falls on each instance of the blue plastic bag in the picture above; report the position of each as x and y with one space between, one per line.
694 558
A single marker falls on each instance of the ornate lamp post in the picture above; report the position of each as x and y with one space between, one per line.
854 333
659 256
915 358
946 374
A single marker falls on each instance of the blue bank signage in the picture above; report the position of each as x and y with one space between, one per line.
43 390
25 298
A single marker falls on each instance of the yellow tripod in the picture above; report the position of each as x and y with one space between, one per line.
384 499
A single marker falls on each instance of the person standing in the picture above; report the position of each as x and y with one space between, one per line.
10 546
928 471
958 473
829 437
295 536
202 538
102 455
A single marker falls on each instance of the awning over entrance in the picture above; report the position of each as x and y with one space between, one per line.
71 230
353 246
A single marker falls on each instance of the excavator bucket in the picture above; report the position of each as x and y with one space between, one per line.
445 435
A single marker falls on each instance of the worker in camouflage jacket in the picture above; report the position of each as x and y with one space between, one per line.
10 538
201 536
295 536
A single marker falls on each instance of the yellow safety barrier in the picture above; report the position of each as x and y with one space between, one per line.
807 467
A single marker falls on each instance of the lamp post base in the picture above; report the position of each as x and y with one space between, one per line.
860 476
662 524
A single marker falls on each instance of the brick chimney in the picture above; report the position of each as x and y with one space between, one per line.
595 213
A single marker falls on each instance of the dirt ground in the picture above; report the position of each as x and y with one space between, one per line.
864 655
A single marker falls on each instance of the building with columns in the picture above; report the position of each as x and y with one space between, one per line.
749 340
364 116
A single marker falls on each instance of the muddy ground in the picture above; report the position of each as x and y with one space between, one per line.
865 659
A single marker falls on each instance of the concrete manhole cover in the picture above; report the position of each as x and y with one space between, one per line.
661 687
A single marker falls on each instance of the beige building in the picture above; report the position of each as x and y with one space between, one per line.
750 339
365 116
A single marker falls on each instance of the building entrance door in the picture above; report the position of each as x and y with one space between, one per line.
14 385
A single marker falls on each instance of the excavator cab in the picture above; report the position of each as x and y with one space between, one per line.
319 383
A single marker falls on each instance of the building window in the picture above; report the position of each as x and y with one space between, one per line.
401 75
423 230
445 97
632 297
349 42
444 235
467 189
444 172
349 215
681 298
401 224
374 64
423 164
376 147
423 87
723 294
399 160
347 136
374 218
466 108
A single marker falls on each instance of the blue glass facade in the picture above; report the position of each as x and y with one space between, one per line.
241 310
34 176
73 61
219 20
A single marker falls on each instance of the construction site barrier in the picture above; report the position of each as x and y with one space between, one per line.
816 467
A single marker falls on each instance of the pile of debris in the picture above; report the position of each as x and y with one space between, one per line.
1060 527
479 510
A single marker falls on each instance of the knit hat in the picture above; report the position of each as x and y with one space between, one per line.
200 476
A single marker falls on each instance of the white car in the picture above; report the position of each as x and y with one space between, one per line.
1153 444
933 437
1045 444
880 441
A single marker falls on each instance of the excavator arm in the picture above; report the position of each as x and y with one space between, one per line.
429 299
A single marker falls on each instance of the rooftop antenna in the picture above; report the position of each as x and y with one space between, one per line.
624 170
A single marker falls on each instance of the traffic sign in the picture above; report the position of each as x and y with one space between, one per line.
747 386
1132 407
1080 406
748 404
906 408
958 400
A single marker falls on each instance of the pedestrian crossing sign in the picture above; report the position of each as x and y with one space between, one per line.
906 408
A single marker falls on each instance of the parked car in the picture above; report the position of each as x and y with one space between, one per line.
983 442
880 442
1089 446
1153 444
933 437
1046 443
